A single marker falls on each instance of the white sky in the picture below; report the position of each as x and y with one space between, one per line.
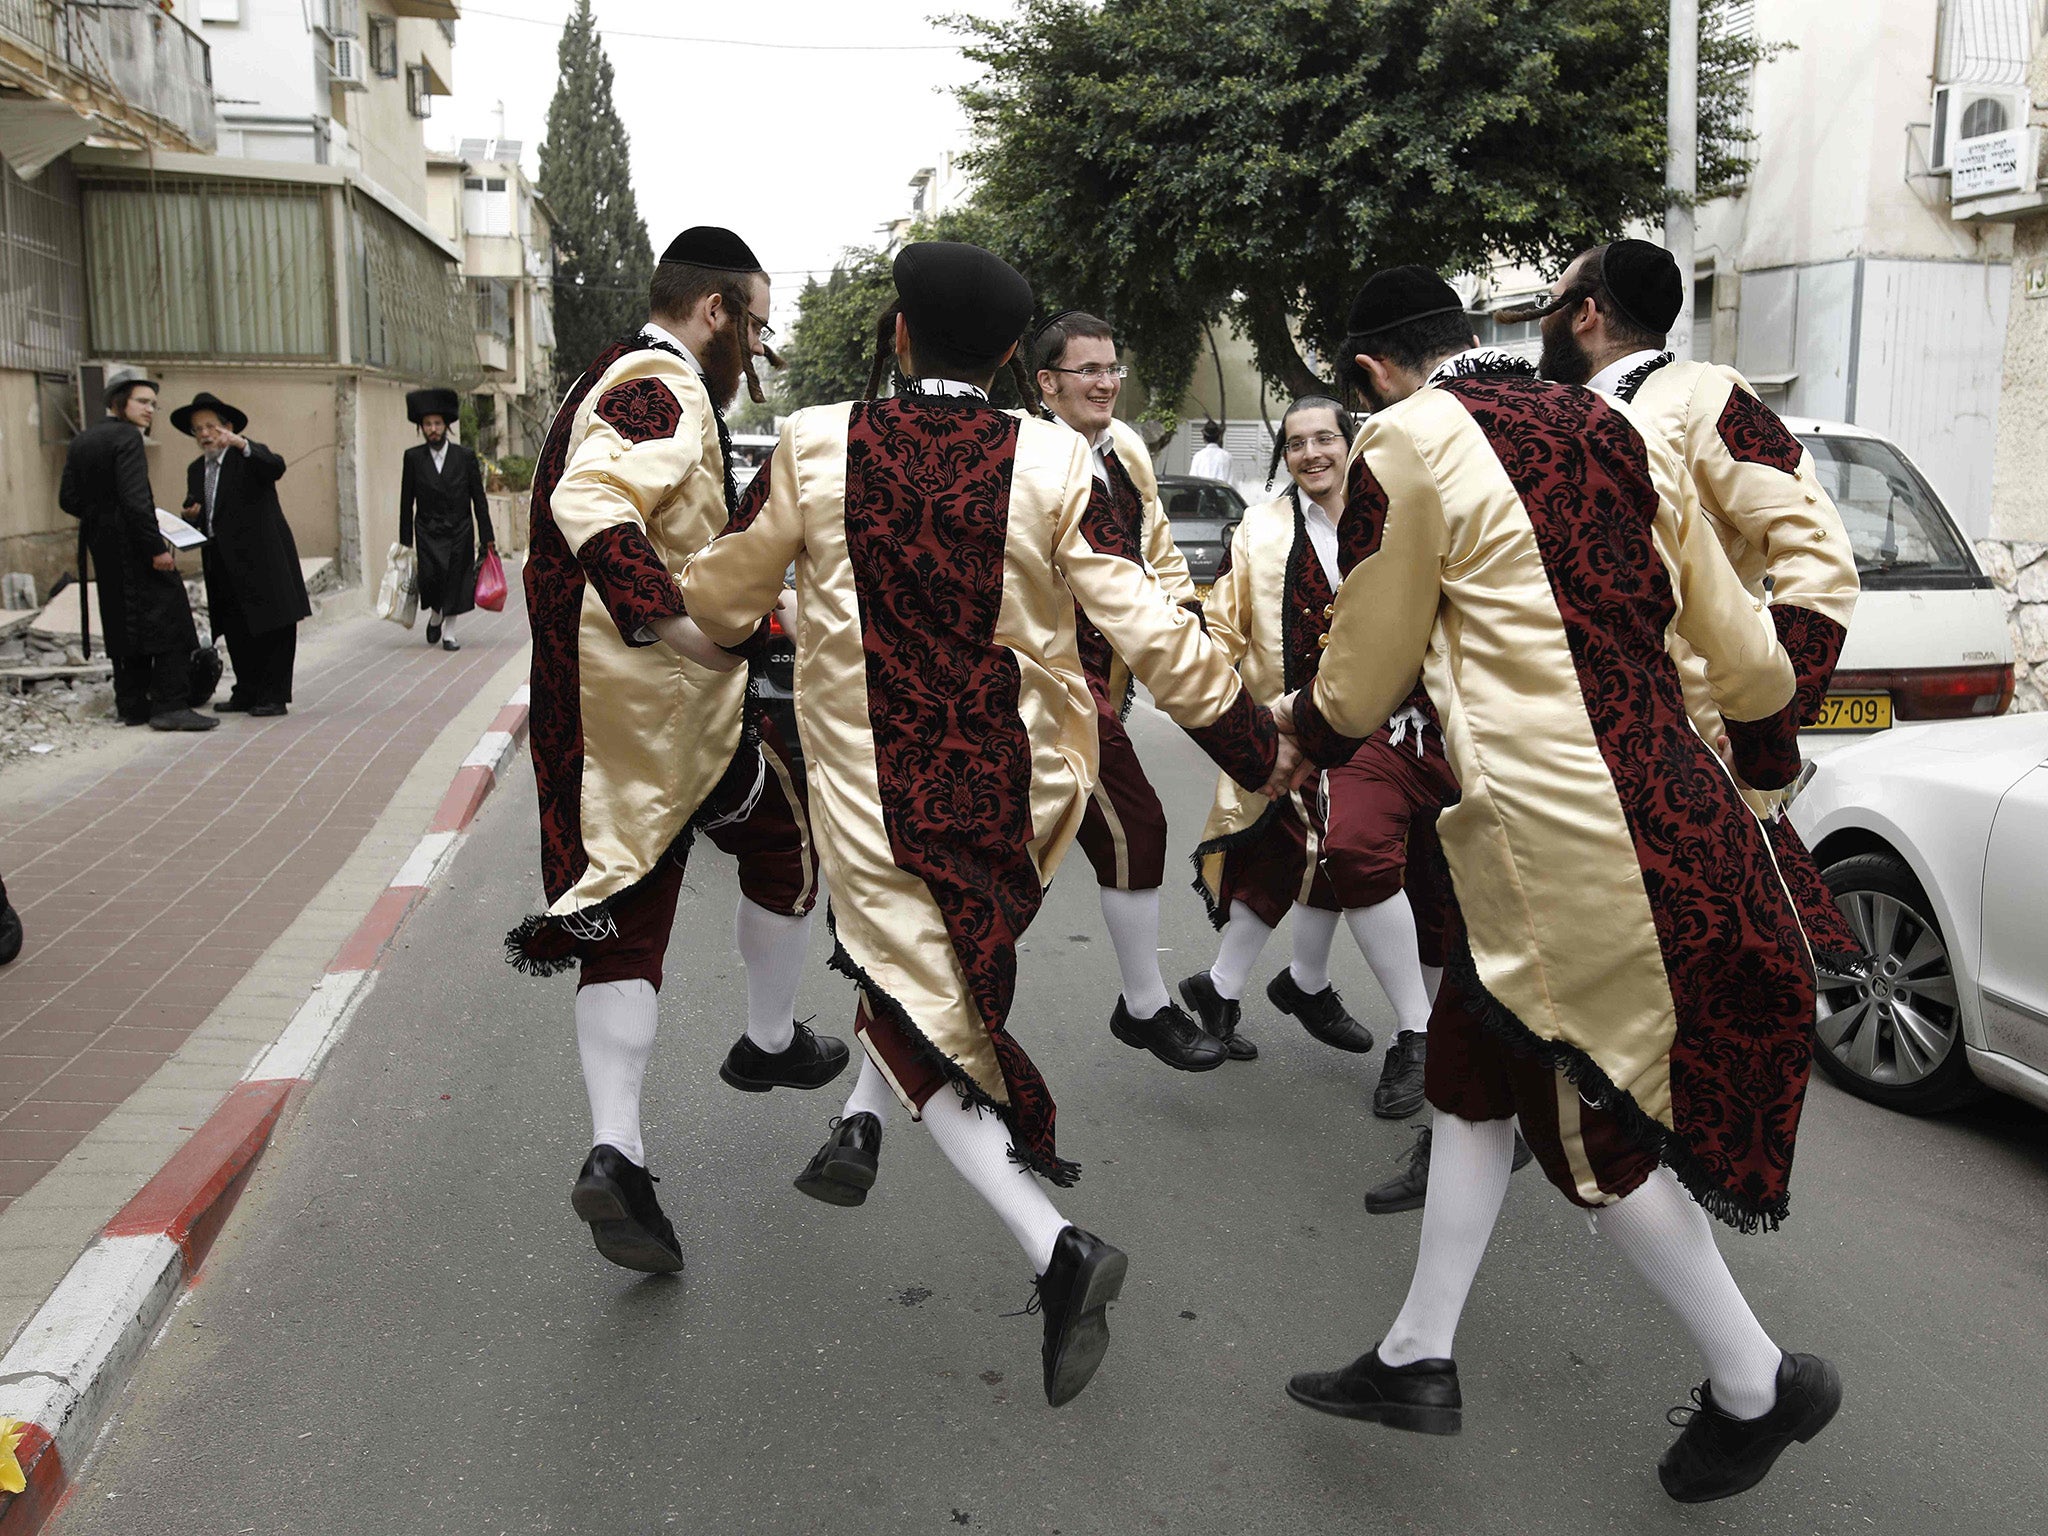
802 152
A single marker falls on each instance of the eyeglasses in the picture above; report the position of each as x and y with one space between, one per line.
1322 442
1090 373
761 326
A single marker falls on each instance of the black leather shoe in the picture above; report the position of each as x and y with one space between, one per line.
433 634
1399 1093
811 1061
1406 1190
1219 1015
1715 1456
230 705
182 720
1322 1013
843 1171
1422 1396
1170 1035
451 645
1084 1277
265 710
10 931
616 1196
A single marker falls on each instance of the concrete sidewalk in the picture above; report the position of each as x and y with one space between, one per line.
184 894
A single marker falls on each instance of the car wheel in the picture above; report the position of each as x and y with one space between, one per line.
1894 1035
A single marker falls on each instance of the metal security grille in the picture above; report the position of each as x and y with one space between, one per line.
410 313
1985 42
493 307
203 268
42 270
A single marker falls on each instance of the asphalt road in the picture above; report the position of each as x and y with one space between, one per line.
404 1329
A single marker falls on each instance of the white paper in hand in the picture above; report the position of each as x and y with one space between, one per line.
181 533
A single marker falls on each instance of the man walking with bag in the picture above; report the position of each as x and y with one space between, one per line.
255 591
439 497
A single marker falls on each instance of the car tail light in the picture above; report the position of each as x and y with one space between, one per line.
776 631
1935 693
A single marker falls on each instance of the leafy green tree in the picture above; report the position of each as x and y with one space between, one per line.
1181 162
603 259
832 342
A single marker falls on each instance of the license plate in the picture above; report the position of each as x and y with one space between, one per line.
1855 712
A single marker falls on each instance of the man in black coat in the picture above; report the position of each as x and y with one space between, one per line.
144 615
255 591
441 493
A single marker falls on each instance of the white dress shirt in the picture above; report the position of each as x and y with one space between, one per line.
651 329
1621 368
1322 535
1212 463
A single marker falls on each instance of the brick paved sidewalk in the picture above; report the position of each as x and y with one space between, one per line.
149 889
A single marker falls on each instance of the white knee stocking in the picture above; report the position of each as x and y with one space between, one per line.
871 1094
615 1023
1386 932
1469 1165
1133 921
1432 982
978 1145
1661 1230
773 945
1243 937
1314 931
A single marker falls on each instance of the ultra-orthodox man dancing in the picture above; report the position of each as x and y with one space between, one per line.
1124 835
949 724
1335 848
636 749
1604 327
1628 975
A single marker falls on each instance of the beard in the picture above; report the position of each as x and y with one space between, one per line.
724 364
1564 360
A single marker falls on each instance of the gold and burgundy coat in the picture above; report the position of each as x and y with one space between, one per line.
1534 546
947 722
628 738
1128 518
1760 495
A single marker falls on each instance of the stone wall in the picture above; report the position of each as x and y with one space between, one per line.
2020 569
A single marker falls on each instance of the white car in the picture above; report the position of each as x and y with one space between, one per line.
1929 640
1934 840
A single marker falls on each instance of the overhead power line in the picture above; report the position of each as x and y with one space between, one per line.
728 42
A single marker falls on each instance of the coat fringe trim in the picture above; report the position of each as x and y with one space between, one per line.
1597 1089
1219 915
521 941
1054 1170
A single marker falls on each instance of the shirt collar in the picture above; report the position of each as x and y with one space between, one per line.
1619 369
950 387
668 338
1480 360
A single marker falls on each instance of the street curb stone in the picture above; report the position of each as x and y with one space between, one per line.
61 1373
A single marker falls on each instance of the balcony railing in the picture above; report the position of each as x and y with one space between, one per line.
27 24
145 59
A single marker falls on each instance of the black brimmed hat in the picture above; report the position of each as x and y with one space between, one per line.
1397 295
206 400
715 249
444 403
1644 283
961 297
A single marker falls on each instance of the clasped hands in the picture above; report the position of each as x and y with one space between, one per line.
1291 769
681 635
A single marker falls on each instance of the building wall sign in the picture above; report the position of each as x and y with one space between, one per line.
2037 279
1997 162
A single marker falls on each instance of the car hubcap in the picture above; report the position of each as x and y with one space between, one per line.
1896 1023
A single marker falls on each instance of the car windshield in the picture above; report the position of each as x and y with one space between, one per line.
1895 521
1198 504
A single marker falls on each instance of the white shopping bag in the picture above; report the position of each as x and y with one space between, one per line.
398 597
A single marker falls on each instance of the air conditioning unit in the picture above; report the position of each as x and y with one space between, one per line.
1963 111
348 64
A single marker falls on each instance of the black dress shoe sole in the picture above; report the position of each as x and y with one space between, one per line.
819 1079
1137 1040
1818 1419
844 1180
618 1236
1086 1339
1376 1205
1413 1417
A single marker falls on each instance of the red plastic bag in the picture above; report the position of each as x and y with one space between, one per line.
490 583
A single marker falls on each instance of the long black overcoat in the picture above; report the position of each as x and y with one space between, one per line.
443 514
252 561
143 611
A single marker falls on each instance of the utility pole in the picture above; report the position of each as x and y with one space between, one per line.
1681 158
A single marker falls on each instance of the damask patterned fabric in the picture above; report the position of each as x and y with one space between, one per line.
1754 435
950 728
1814 642
1627 922
631 582
641 410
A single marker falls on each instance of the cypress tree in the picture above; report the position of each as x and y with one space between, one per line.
603 260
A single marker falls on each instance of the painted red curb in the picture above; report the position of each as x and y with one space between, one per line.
25 1512
192 1194
376 930
511 720
459 806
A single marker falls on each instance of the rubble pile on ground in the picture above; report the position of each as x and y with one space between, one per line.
54 717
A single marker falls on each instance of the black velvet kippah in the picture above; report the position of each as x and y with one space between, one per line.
1643 280
961 297
706 245
1397 295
